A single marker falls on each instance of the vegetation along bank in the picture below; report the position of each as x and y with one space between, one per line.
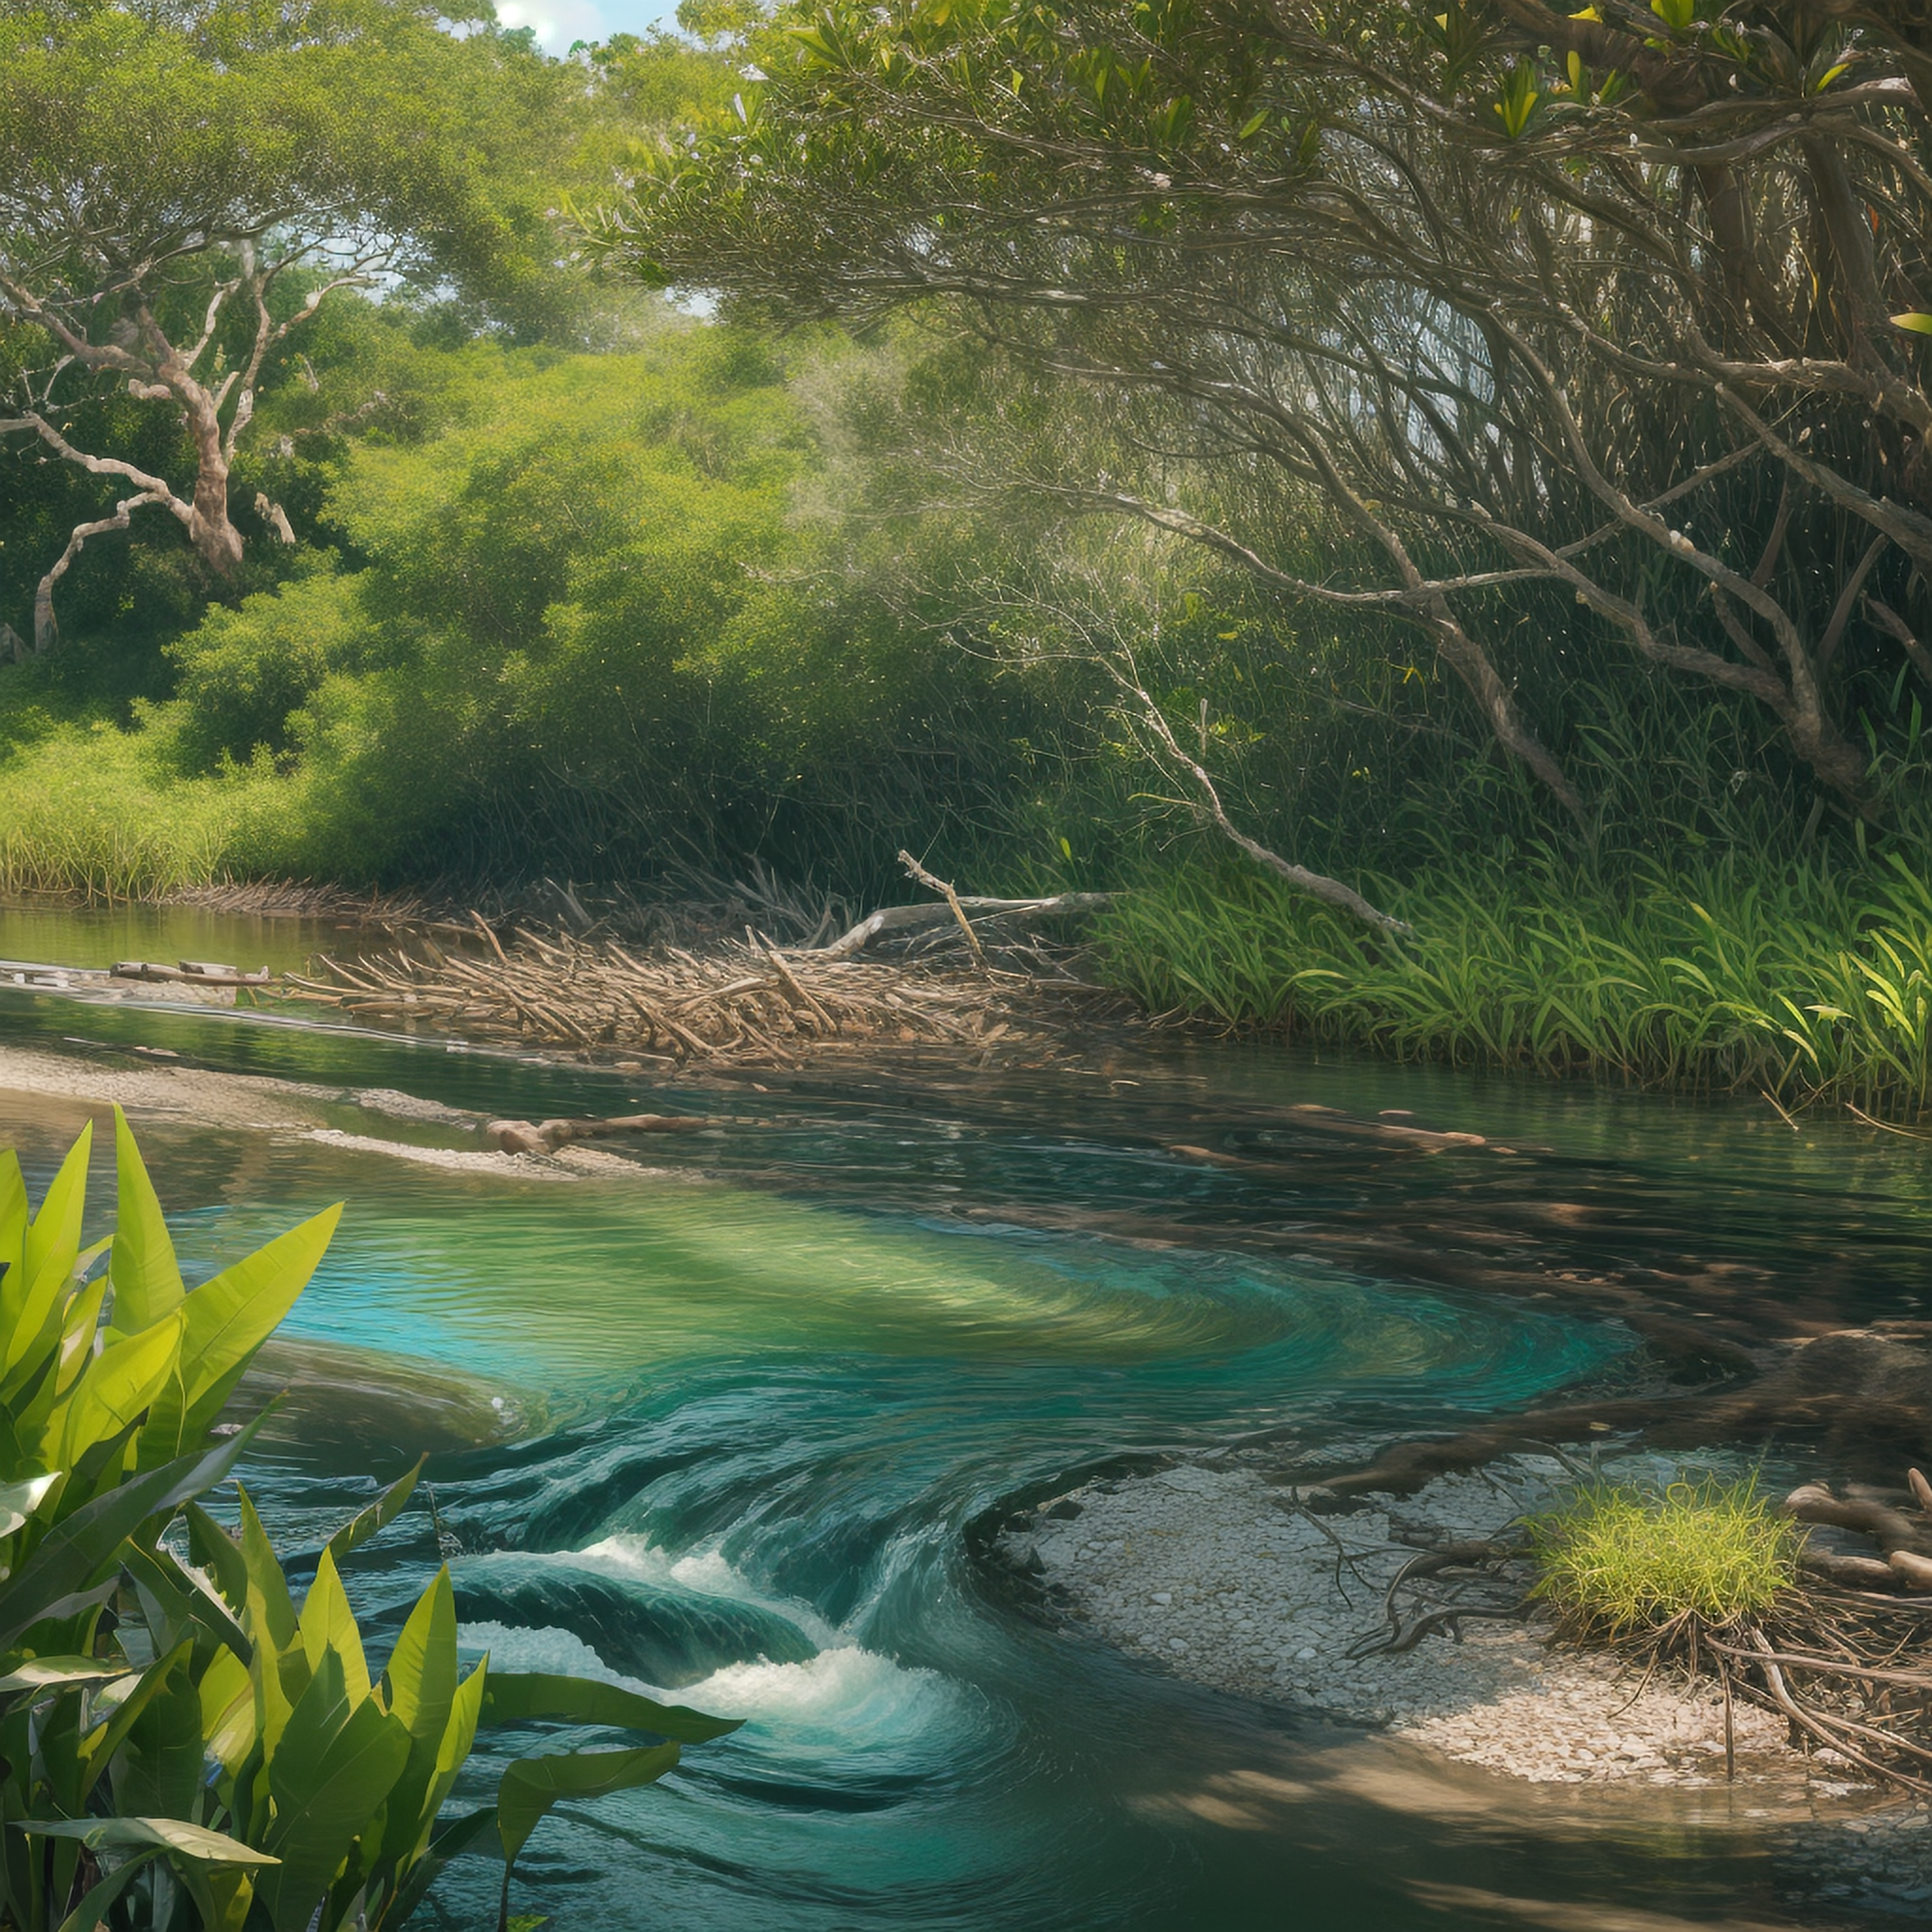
404 520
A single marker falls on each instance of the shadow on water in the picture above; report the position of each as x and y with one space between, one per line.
723 1429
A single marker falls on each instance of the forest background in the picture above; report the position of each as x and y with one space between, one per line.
526 568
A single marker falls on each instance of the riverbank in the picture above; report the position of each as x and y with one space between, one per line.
1808 984
1222 1576
1176 1294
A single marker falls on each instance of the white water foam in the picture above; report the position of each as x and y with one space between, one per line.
845 1698
707 1572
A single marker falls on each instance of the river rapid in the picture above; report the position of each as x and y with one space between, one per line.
727 1422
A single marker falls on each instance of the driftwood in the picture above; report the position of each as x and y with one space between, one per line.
905 919
188 973
524 1136
1894 1529
919 874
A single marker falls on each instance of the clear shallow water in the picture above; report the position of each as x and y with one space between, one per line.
783 1380
52 932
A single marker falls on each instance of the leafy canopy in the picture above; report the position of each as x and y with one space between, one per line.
132 136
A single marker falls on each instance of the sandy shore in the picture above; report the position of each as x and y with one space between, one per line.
1219 1575
154 1088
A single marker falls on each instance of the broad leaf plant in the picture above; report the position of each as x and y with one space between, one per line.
181 1744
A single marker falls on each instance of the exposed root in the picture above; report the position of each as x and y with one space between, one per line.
1848 1671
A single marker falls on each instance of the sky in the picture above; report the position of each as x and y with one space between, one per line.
560 21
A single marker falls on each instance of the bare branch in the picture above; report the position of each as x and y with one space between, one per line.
45 631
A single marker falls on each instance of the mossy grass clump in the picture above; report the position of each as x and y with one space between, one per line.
1619 1562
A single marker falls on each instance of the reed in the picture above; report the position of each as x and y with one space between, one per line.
1809 985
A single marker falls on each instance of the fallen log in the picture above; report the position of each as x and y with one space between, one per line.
525 1137
918 918
1913 1571
190 973
1849 1572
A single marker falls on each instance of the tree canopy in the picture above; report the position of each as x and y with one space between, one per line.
1613 322
182 186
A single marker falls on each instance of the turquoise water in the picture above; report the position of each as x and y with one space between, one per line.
772 1389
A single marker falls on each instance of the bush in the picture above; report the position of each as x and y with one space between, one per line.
1620 1562
243 671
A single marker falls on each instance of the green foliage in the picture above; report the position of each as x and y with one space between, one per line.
1616 1561
1429 345
168 131
576 617
245 671
109 1388
1811 985
172 1726
91 809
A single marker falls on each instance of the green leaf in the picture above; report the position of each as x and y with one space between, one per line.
18 1501
274 1621
188 1595
92 1912
1912 319
378 1515
232 1316
50 1673
421 1676
53 1235
448 1841
228 1725
116 1387
98 1748
422 1669
518 1696
164 1834
13 1222
211 1546
157 1770
532 1785
78 1549
142 1268
329 1623
330 1776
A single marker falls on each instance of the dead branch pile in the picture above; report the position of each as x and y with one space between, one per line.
744 1005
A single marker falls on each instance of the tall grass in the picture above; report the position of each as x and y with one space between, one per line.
1809 984
88 809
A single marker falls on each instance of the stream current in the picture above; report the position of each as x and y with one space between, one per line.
733 1414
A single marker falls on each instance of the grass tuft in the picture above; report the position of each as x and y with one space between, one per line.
1616 1561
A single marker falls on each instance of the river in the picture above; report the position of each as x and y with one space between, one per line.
757 1399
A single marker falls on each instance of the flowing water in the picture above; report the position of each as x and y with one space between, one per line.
730 1424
